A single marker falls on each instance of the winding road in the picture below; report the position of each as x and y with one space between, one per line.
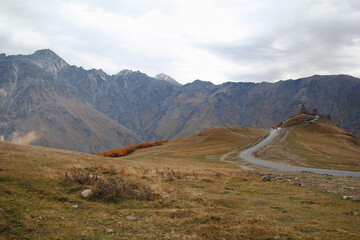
247 155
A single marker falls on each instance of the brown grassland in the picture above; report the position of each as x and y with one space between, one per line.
179 190
322 144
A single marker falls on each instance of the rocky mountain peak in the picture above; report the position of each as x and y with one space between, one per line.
45 53
164 77
48 60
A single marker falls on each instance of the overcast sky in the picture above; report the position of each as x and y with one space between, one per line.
211 40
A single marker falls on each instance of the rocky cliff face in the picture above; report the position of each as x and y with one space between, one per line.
42 103
45 101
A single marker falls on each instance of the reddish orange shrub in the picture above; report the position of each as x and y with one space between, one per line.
127 150
280 124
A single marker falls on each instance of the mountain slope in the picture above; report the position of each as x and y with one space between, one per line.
35 90
40 108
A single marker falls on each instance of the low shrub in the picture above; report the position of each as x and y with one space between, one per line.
81 176
127 150
118 189
113 189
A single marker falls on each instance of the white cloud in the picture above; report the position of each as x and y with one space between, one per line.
213 40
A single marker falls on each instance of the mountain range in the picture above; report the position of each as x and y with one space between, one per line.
48 102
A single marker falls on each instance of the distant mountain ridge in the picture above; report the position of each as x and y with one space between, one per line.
45 101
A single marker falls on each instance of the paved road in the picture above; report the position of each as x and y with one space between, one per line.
247 156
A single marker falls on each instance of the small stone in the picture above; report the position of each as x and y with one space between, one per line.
352 213
75 206
109 231
227 188
130 218
348 197
278 179
275 207
265 178
86 193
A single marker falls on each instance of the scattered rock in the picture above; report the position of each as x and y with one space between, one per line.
308 202
109 231
352 213
296 178
266 178
227 188
278 179
62 199
348 197
2 169
275 207
130 218
86 193
75 206
7 192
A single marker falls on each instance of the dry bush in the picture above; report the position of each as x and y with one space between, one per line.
280 124
113 189
117 189
81 176
127 150
171 175
219 174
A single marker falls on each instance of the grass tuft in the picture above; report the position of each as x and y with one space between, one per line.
81 176
112 189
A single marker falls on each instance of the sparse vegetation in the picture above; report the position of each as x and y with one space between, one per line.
198 196
130 149
81 177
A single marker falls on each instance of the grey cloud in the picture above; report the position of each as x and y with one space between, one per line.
301 39
292 38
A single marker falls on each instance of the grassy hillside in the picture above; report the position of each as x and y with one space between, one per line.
322 144
192 195
200 150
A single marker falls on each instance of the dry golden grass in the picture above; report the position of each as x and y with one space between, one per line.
199 198
298 119
201 150
322 145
